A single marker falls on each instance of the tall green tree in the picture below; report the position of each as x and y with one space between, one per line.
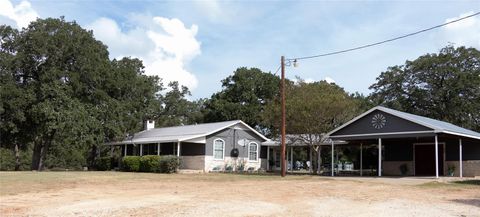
64 96
12 96
312 110
443 86
176 109
244 96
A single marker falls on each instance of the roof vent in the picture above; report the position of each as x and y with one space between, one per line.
149 124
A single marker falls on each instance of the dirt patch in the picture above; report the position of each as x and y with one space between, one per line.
138 194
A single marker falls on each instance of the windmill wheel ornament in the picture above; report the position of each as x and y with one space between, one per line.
379 121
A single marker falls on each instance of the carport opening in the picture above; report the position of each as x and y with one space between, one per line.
425 159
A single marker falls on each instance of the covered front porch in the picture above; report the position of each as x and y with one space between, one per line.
165 148
435 155
192 155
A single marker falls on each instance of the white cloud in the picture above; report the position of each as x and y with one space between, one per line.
210 8
329 80
165 45
465 32
298 80
22 14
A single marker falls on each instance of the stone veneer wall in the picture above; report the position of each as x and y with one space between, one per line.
392 168
210 163
471 168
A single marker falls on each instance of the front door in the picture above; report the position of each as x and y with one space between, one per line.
425 160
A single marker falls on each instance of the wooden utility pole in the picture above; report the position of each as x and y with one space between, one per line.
283 145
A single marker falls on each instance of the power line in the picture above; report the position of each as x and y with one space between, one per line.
277 70
382 42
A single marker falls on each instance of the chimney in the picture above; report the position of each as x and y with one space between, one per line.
149 124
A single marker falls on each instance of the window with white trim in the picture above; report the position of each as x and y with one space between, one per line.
218 149
253 151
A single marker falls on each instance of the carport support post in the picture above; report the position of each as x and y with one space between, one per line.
158 148
178 149
286 157
461 157
361 159
333 150
310 170
379 156
319 159
125 152
436 156
141 149
268 158
291 159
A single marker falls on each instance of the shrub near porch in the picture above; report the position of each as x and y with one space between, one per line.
151 163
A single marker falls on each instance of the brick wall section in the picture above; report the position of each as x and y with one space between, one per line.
392 168
471 168
193 162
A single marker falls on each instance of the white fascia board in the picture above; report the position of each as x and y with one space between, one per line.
233 124
386 110
270 143
255 131
383 134
459 134
201 139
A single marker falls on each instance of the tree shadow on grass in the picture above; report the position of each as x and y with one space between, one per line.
469 182
471 202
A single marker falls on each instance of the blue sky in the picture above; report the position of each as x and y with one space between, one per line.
201 42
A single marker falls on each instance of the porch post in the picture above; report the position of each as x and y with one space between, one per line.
319 159
361 159
310 170
125 151
436 156
268 157
158 148
291 159
336 161
178 149
379 156
333 150
286 157
461 157
141 149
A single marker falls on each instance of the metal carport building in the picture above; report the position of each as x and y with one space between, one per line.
427 147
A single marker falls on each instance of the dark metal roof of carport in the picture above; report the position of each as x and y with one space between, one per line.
388 123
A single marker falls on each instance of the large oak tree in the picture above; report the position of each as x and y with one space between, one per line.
62 96
244 96
443 86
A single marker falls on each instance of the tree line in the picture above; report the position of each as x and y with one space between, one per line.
61 97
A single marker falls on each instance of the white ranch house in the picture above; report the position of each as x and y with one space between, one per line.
207 147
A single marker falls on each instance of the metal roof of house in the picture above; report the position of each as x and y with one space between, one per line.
181 133
436 125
